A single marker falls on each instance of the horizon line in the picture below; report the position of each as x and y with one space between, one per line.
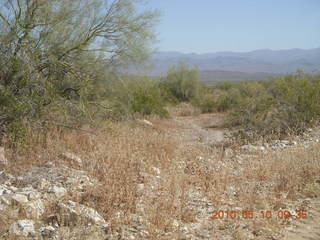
229 51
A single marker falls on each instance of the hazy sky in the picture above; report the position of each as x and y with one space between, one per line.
237 25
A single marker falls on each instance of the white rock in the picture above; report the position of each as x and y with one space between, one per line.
58 191
203 234
140 187
184 230
47 232
34 195
156 170
75 212
3 190
3 159
43 184
175 223
6 200
73 158
19 198
34 209
253 148
22 228
13 189
145 121
49 165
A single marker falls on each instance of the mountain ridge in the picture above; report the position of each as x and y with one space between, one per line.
258 63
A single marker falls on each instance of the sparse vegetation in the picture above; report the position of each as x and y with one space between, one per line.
147 141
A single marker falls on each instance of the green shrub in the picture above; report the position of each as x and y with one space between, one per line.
225 85
136 95
286 105
148 101
227 100
183 84
207 103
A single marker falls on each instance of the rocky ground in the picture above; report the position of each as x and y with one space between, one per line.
45 202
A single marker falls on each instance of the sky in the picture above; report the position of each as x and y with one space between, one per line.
203 26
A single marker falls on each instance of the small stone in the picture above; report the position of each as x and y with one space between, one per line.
204 234
184 230
19 198
73 158
47 232
146 122
3 190
34 195
175 223
156 170
49 165
22 228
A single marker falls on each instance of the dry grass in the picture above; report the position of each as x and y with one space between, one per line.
184 109
122 156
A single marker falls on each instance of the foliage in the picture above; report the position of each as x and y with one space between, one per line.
136 95
286 105
183 83
57 55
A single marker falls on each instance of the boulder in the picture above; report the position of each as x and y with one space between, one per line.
34 209
22 228
72 213
19 198
59 192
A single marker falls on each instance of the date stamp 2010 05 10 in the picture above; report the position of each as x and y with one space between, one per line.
266 214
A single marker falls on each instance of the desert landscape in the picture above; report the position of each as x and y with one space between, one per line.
104 137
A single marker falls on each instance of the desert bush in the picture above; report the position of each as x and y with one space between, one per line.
207 103
227 100
287 105
136 95
225 85
183 84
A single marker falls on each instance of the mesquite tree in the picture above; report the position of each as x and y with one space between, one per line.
58 50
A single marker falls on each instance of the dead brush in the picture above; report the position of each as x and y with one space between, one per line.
121 155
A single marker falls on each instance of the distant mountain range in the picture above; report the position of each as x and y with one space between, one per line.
236 66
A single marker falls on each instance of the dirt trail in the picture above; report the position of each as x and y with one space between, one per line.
307 229
207 129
